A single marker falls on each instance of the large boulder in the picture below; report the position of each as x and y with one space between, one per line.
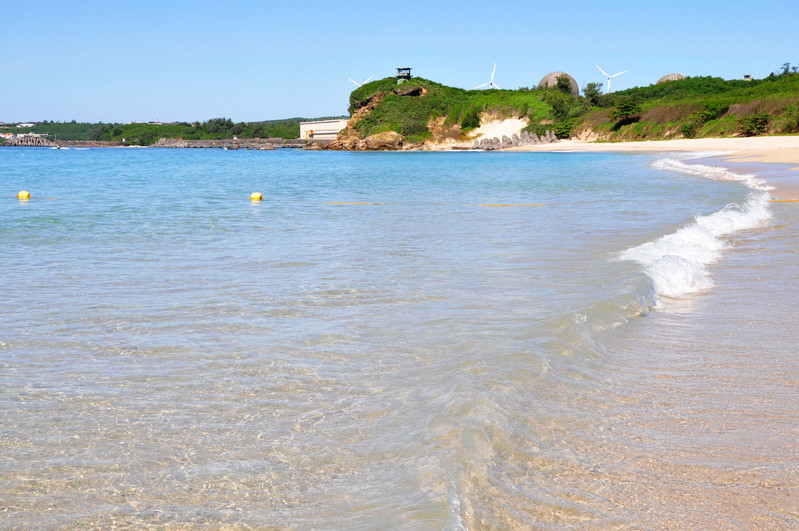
387 140
408 90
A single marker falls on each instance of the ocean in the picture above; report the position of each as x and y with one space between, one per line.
467 340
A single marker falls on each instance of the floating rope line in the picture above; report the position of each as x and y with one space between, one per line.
348 203
489 205
512 205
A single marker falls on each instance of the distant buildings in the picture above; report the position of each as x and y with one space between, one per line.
322 129
670 77
551 80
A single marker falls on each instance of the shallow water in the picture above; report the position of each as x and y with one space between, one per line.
175 354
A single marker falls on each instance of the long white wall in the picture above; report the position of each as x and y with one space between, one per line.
323 129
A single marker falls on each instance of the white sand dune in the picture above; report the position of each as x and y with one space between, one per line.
498 128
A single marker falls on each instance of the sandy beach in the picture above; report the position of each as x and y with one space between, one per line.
742 154
774 158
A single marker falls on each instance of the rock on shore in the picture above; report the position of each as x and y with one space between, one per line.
387 140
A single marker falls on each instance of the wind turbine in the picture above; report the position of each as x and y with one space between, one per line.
365 81
609 76
490 83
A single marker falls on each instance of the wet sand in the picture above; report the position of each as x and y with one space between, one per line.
774 158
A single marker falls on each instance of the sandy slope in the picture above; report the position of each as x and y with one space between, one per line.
498 128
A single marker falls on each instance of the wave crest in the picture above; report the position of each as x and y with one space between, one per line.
678 263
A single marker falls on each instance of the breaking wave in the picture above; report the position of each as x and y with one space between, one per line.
678 263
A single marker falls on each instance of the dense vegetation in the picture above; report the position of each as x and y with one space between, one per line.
692 107
687 108
698 107
410 108
147 133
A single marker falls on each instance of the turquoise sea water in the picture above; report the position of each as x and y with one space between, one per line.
372 346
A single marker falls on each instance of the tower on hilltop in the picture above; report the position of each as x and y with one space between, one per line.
403 75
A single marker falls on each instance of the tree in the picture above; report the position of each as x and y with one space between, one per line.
563 84
625 110
592 91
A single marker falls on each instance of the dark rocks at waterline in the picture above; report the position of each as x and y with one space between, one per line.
233 143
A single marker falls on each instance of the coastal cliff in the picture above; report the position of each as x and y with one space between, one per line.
422 114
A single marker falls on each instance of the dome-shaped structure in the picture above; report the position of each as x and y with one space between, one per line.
670 77
551 80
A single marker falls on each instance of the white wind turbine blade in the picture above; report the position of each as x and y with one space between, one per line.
614 75
354 81
491 83
606 74
367 79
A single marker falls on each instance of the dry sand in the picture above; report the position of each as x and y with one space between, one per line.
498 128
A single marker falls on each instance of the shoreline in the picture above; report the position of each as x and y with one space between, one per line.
774 158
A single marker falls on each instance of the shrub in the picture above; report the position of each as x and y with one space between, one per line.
625 110
471 119
563 129
789 121
695 121
753 125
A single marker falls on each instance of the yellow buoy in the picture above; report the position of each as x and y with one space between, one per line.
255 196
24 195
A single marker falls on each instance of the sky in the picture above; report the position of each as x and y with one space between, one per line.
251 61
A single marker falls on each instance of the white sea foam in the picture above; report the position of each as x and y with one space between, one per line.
678 263
715 173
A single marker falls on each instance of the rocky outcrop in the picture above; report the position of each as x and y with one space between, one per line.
363 108
383 141
348 138
408 90
387 140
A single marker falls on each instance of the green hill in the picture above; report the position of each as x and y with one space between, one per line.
145 134
419 109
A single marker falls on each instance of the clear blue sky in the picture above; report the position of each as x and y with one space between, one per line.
185 61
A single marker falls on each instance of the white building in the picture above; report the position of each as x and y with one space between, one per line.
322 129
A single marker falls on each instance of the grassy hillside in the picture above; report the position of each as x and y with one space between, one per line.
697 107
409 108
692 107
